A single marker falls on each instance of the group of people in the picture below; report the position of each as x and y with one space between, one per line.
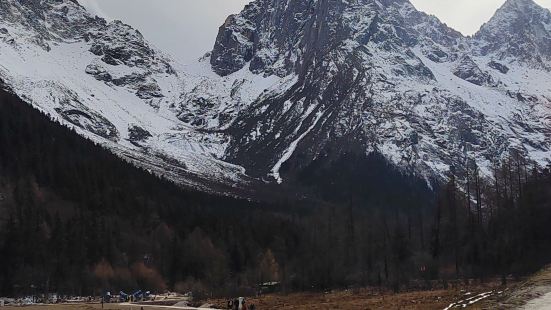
240 304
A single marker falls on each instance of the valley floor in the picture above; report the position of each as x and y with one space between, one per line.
532 293
451 298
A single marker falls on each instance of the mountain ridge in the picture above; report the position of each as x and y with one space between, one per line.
286 83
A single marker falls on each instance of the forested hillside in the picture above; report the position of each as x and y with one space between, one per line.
76 219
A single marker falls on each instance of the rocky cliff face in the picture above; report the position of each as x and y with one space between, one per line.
284 37
289 82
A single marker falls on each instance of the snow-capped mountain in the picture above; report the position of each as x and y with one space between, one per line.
108 83
289 81
382 75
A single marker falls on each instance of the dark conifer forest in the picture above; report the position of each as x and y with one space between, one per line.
76 219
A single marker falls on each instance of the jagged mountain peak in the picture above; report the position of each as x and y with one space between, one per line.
49 20
528 10
276 37
519 4
521 30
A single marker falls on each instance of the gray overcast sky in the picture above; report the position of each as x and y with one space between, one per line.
187 28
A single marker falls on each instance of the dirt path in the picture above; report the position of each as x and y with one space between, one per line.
533 293
540 303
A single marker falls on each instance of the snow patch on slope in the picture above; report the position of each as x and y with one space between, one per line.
292 147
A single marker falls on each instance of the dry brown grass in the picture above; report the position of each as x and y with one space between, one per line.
365 299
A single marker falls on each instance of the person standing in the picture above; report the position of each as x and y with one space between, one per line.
242 305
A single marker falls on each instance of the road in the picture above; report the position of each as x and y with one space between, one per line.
540 303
